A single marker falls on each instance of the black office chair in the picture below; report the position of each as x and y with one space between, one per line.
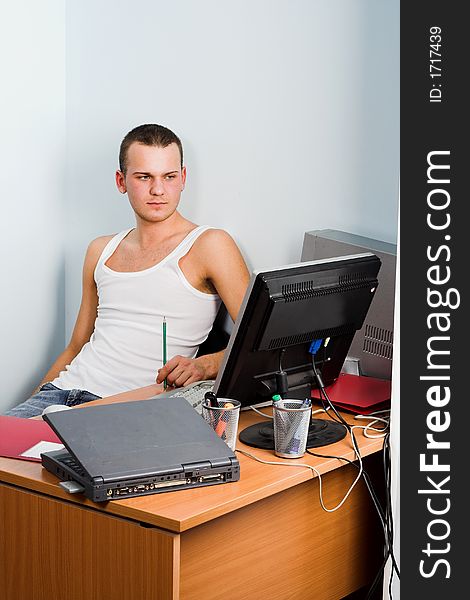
218 338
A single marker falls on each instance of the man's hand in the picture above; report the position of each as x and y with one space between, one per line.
180 370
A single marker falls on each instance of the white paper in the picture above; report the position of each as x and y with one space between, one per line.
35 451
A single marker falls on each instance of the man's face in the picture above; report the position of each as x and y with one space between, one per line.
154 181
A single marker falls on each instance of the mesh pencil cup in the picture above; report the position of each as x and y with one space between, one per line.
291 422
223 419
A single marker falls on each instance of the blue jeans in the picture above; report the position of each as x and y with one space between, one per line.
47 395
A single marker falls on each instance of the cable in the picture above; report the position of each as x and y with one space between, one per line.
386 515
370 426
389 507
339 417
367 481
261 413
389 550
281 354
282 464
383 516
353 441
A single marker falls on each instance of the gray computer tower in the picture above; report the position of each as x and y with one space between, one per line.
372 347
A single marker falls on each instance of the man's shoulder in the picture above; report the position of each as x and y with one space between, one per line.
96 246
213 238
102 240
215 246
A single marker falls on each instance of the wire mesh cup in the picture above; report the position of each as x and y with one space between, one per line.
291 422
223 419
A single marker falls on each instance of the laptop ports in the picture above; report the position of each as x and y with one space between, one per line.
207 478
173 483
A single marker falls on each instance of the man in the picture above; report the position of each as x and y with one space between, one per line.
166 269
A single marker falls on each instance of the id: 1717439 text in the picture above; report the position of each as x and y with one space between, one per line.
435 60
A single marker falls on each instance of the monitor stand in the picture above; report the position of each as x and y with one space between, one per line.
320 433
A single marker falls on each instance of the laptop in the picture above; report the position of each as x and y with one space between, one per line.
137 448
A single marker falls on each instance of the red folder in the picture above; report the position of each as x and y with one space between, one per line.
18 435
358 394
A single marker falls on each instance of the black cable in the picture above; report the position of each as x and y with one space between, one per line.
367 481
377 578
385 515
388 486
330 404
388 500
281 354
282 384
389 550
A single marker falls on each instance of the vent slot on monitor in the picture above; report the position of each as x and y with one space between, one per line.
352 278
294 292
378 341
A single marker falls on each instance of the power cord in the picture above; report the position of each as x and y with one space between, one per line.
313 469
386 516
378 427
261 413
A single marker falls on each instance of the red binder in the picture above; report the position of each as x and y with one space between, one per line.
358 394
18 435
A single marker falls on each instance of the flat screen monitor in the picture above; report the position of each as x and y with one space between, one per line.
291 316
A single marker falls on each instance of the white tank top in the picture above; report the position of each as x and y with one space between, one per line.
125 350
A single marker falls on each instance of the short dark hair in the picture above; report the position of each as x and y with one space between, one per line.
149 135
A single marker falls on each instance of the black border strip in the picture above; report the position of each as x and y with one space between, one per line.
434 246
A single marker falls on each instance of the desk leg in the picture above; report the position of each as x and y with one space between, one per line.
54 550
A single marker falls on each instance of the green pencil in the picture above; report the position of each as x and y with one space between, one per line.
165 382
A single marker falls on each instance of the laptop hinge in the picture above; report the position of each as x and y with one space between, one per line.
98 480
221 462
135 476
197 466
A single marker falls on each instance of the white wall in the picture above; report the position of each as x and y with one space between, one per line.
288 112
32 143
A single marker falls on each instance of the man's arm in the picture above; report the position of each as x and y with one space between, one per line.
84 324
223 267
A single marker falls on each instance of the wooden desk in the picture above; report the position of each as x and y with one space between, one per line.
263 537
